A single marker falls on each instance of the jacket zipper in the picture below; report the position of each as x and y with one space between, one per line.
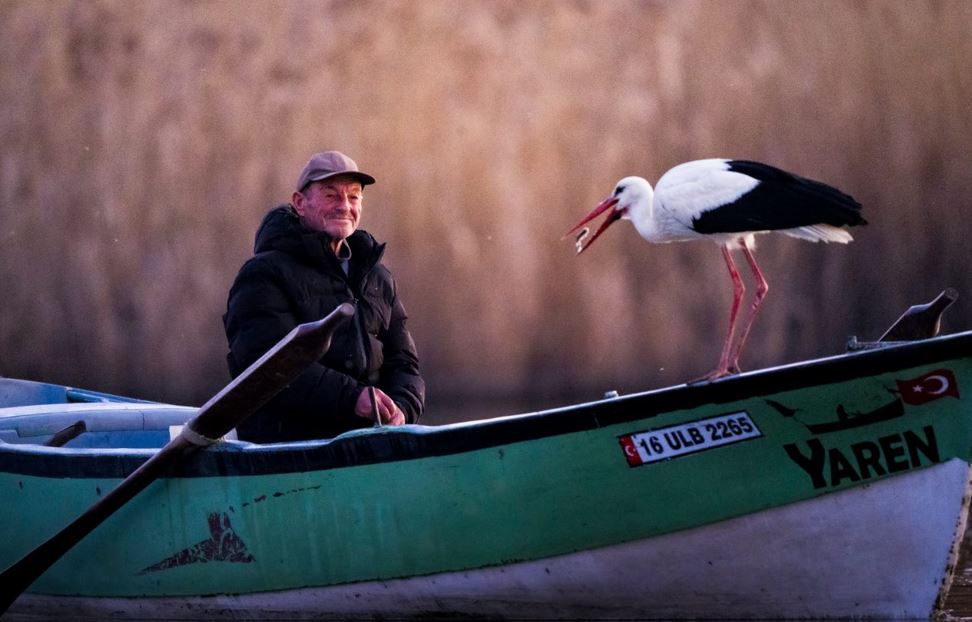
355 300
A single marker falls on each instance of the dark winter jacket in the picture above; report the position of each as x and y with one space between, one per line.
293 278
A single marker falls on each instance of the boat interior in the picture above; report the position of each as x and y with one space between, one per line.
38 413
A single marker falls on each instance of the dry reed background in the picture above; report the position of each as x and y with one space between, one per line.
141 142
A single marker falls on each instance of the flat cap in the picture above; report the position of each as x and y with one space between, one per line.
330 164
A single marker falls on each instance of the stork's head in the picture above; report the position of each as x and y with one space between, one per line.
630 192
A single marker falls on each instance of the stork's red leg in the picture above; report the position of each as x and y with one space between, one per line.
738 290
762 287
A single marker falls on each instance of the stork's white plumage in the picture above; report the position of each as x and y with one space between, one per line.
729 202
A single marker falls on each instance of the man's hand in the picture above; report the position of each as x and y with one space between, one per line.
388 410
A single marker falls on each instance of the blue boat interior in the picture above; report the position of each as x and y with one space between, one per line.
36 413
53 416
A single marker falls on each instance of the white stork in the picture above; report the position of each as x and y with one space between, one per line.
729 202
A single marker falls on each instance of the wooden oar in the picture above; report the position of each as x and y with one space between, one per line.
250 390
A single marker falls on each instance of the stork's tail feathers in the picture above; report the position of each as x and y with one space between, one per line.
820 233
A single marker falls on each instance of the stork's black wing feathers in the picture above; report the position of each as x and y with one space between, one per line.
781 200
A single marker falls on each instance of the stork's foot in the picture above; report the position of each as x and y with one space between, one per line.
715 374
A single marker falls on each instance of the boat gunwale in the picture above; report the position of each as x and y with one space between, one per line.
394 444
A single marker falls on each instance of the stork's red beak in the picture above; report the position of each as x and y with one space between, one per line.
607 204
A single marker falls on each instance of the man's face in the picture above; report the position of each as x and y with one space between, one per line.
332 206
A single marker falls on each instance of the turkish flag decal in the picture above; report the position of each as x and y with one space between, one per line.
630 450
930 387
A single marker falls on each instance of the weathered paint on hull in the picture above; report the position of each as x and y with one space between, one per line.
755 566
485 510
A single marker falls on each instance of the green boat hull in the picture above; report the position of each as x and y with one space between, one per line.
524 494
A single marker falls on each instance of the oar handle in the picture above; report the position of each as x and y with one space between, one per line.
250 390
275 370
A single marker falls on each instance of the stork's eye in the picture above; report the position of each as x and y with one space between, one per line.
618 190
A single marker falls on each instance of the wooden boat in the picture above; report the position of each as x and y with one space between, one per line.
831 488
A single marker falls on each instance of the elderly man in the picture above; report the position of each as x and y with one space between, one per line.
309 257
